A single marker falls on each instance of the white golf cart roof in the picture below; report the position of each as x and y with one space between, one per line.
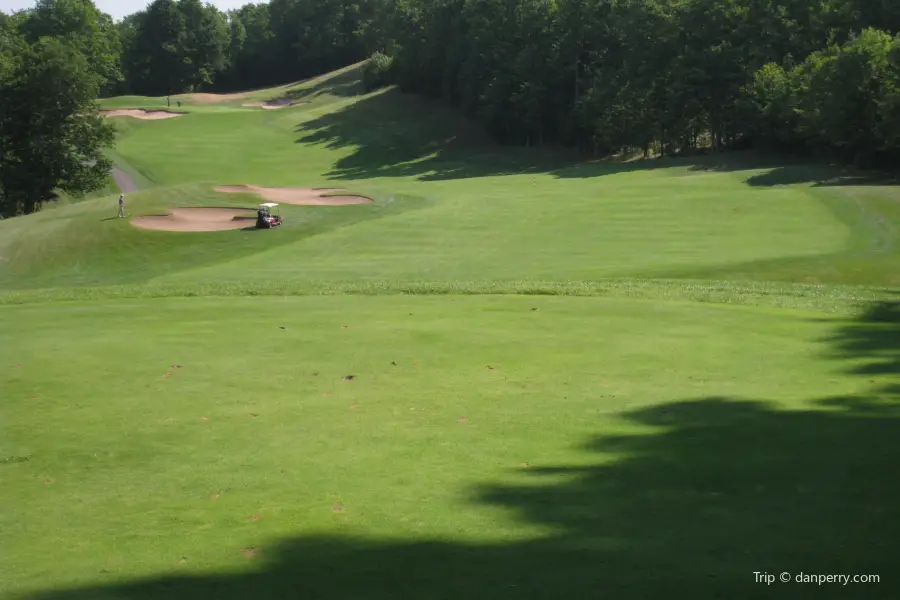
269 204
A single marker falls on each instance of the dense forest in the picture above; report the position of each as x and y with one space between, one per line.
658 76
661 76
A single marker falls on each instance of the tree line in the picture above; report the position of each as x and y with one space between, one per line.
658 76
54 60
179 46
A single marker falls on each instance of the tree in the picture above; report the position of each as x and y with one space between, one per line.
889 104
204 44
158 51
252 60
84 28
773 100
175 47
838 94
51 135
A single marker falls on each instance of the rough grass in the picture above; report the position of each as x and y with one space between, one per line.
815 298
514 374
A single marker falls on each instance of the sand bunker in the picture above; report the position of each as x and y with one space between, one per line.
139 113
297 196
198 219
274 104
210 98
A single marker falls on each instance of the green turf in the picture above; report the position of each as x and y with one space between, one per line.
493 214
572 379
681 452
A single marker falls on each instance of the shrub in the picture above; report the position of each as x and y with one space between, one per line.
377 71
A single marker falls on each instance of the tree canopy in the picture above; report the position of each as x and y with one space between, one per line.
661 76
54 60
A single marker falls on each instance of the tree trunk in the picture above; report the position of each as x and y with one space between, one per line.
30 205
577 52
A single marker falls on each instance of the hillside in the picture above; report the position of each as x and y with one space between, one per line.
513 372
489 214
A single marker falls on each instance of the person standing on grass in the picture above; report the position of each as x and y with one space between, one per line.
121 206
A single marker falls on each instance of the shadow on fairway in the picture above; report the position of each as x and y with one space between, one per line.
716 489
786 171
818 177
344 85
439 144
876 338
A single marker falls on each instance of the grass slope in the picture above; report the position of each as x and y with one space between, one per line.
569 379
492 214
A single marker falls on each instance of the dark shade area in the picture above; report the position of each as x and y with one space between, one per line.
723 488
443 146
343 85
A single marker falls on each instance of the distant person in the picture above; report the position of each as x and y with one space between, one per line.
169 101
179 103
121 214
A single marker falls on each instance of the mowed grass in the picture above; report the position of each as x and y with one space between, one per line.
491 214
514 375
484 447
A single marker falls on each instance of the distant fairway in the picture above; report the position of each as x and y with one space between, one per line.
491 214
406 399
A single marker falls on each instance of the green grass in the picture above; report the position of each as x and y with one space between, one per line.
572 379
493 214
681 451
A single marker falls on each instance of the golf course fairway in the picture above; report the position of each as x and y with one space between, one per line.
512 374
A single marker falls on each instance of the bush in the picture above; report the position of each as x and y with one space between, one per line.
377 71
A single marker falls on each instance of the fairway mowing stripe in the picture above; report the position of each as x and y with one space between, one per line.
819 298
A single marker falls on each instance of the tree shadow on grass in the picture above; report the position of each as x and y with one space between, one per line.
391 134
873 341
784 171
711 491
819 177
343 85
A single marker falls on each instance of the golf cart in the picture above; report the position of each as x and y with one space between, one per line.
267 216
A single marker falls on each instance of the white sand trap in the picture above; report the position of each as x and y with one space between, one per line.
139 113
274 104
297 196
198 219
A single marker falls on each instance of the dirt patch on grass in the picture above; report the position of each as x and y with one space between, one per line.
142 114
296 196
197 219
